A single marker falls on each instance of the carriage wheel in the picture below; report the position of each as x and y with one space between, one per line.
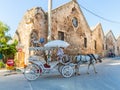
32 72
67 71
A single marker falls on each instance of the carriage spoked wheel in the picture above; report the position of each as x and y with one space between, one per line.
32 72
67 71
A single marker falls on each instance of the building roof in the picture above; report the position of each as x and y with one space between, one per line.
93 29
110 32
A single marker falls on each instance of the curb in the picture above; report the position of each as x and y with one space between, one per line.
11 72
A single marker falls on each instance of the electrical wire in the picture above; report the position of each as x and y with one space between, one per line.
108 20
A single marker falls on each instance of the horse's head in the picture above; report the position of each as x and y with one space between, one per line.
77 58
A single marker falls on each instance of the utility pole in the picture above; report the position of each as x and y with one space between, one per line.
74 0
49 19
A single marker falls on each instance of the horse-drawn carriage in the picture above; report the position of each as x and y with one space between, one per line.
39 66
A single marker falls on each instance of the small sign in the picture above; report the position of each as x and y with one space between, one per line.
10 62
19 49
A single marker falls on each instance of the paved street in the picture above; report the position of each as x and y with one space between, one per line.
107 78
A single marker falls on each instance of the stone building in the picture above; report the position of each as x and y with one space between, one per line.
98 40
118 46
68 24
32 26
111 45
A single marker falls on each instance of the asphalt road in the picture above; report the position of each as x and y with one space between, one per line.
107 78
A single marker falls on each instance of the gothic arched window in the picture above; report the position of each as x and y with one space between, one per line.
75 22
33 37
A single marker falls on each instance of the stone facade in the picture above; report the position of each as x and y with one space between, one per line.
111 44
68 24
32 26
98 40
118 46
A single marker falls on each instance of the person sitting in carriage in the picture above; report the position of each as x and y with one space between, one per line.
62 57
60 53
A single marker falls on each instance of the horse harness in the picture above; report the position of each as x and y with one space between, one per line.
84 61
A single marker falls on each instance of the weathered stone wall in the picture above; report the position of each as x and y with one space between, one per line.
118 46
70 21
98 40
33 22
62 21
111 45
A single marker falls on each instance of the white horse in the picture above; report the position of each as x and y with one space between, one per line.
89 58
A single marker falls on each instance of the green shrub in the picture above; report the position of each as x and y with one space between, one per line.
2 65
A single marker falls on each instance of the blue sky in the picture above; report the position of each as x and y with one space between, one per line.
12 11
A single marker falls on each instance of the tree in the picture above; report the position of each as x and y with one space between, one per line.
3 30
6 49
